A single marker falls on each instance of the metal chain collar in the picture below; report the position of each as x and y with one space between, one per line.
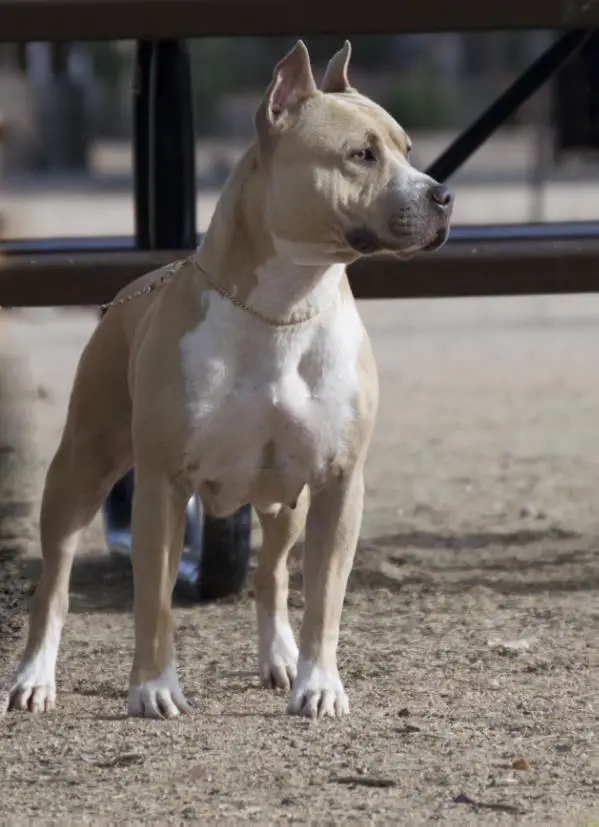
169 272
172 269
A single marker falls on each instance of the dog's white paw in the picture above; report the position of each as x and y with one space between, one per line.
28 695
33 688
159 698
317 693
278 653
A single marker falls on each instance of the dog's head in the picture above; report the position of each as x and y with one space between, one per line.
339 183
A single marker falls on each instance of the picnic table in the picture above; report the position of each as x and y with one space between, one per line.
524 260
510 260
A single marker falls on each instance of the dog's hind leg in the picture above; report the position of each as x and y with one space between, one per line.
276 643
79 477
94 450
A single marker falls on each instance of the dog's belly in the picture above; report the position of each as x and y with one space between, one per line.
264 445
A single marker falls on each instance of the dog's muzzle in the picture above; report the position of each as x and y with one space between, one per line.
423 226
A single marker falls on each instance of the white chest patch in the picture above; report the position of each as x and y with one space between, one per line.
269 408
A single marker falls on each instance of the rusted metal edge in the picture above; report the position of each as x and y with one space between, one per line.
31 20
500 267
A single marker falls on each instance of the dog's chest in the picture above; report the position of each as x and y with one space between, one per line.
268 409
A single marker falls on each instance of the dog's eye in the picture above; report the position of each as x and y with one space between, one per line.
366 155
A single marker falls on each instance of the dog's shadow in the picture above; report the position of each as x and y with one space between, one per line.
104 583
100 582
568 563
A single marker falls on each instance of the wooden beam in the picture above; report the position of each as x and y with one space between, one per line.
31 20
464 267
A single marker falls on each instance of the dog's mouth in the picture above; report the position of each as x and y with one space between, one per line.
438 241
366 242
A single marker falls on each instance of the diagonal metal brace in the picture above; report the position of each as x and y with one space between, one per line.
466 144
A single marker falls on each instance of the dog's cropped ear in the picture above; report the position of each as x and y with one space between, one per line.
292 83
335 77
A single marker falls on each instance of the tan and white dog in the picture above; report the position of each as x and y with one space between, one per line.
248 378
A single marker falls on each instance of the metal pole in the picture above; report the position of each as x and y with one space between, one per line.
172 173
141 144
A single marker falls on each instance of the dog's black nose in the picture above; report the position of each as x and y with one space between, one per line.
441 195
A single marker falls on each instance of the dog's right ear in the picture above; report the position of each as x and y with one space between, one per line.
292 83
335 76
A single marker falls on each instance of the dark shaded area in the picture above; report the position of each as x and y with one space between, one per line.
102 582
576 102
498 807
507 563
400 563
568 563
14 583
473 540
521 562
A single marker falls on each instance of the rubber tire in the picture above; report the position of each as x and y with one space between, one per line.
226 553
224 560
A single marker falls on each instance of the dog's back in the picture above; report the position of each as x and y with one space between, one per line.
101 389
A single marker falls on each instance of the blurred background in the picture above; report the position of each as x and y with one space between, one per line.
66 123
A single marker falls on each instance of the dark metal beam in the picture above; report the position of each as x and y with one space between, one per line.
477 261
172 171
57 279
141 144
30 20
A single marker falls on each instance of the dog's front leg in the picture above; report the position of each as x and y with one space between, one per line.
276 643
332 532
158 528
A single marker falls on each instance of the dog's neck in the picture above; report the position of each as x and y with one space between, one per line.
278 279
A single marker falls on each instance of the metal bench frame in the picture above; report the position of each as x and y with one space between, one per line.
476 261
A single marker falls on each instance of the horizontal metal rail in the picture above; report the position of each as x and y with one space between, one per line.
55 20
477 261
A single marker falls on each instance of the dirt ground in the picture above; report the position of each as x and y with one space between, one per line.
469 637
